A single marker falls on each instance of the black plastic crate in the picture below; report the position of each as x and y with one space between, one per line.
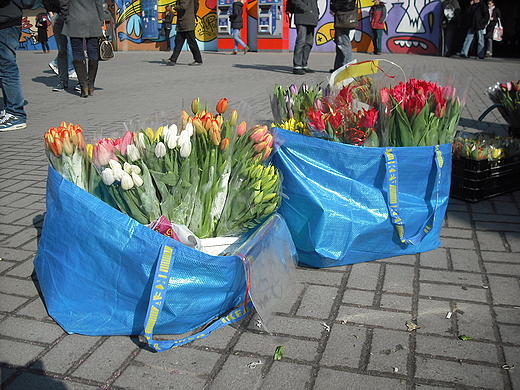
474 180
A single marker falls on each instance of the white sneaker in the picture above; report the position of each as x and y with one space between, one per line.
54 68
73 75
11 122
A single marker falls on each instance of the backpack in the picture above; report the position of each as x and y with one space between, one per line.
449 12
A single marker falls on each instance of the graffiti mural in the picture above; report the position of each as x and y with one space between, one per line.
412 26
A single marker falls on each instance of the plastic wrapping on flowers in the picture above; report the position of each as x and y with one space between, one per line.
210 172
507 98
355 109
485 146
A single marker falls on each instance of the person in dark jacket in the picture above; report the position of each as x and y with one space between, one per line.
12 116
167 25
477 15
84 26
494 16
341 35
377 15
237 22
451 18
306 16
186 14
43 37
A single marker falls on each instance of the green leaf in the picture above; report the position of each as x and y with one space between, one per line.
464 337
279 353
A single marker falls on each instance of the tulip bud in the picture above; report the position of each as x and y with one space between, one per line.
215 136
241 129
149 133
259 133
220 120
224 144
160 150
107 176
199 127
233 118
68 147
89 149
260 146
115 165
57 146
184 119
81 140
138 181
189 128
126 181
267 152
158 133
170 139
185 144
195 106
132 153
222 105
140 140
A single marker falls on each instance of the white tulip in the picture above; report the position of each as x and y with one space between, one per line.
118 174
185 143
138 181
140 141
160 150
133 153
115 165
171 140
126 181
107 176
189 128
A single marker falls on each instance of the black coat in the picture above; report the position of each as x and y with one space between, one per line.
493 22
235 17
477 16
306 12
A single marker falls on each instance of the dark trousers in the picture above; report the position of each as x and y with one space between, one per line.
180 38
61 42
78 52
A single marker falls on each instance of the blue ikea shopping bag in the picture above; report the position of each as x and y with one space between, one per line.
347 204
103 273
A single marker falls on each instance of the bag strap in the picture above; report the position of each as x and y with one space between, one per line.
392 187
157 294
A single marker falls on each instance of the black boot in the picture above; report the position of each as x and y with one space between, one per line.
81 71
92 72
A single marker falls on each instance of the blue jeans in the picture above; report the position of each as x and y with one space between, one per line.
343 48
469 40
303 45
236 36
61 41
10 80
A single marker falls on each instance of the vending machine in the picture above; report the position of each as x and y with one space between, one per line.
150 19
273 26
224 37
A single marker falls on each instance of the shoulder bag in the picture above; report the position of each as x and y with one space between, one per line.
346 19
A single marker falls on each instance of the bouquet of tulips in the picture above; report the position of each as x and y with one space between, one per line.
485 146
507 97
208 173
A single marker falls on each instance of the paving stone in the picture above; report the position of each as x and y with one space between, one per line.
507 314
510 333
505 290
317 301
457 243
265 345
10 303
484 206
398 302
12 254
454 277
292 295
490 241
18 353
498 226
476 321
364 276
36 309
504 269
235 374
432 317
514 241
218 339
22 328
344 346
512 356
458 220
464 293
459 374
19 239
286 376
500 257
408 259
106 359
334 379
383 318
464 260
456 233
389 352
29 381
23 269
436 258
313 276
295 327
455 348
357 297
493 217
395 275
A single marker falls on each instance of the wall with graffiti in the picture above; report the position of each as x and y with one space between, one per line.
412 26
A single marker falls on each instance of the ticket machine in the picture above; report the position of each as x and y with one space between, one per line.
272 26
150 19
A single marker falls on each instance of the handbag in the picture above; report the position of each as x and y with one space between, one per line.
103 273
346 19
498 31
106 50
347 204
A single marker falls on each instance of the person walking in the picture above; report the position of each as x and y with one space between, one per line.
237 23
342 36
43 37
494 16
167 25
477 15
84 26
306 14
186 14
450 22
377 15
53 8
13 116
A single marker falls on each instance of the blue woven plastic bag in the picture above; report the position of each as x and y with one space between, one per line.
103 273
347 204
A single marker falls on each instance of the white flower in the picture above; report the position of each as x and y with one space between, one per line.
107 176
126 181
189 128
185 143
133 153
115 165
160 150
138 181
140 141
118 174
171 139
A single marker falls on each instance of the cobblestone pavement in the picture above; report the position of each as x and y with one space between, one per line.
342 328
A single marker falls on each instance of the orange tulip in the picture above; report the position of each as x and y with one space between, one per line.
215 136
222 105
241 129
225 143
